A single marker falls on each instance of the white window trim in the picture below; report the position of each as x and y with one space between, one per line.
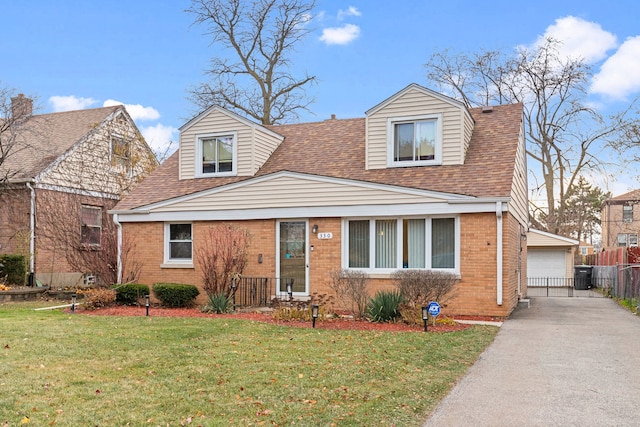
198 159
392 121
384 272
175 263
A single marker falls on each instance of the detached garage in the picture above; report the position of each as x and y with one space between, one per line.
549 255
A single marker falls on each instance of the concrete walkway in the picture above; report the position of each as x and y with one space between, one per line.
561 362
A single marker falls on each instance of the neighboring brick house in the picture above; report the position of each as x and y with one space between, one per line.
620 220
420 182
62 174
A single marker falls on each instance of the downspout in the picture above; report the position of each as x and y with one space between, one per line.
119 246
499 253
32 234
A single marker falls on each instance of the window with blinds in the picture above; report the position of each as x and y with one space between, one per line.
402 243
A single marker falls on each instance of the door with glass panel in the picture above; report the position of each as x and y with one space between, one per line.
292 250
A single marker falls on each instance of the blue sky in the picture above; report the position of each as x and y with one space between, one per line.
72 54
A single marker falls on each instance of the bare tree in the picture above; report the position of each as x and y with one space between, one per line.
565 136
222 257
260 36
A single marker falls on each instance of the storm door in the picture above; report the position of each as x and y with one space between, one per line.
292 250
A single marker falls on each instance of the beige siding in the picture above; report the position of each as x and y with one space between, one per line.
293 192
254 144
468 130
519 203
541 240
411 103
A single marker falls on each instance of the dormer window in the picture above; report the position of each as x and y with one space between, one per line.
414 141
216 154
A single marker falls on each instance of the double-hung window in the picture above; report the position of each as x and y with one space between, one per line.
216 154
91 227
415 140
120 152
627 213
390 244
178 243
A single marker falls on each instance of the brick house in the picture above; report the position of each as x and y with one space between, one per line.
419 182
61 175
620 220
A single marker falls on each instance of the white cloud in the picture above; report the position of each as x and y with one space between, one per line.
160 137
70 103
136 111
352 11
580 39
620 74
340 35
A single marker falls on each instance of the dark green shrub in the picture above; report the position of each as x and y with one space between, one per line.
218 303
130 293
15 268
176 294
384 306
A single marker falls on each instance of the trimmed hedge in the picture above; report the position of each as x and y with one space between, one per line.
130 293
15 268
176 294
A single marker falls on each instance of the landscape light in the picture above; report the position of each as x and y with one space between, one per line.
425 316
314 314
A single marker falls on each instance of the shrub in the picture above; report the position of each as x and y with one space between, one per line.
14 267
98 297
419 287
176 294
218 303
384 306
130 293
350 287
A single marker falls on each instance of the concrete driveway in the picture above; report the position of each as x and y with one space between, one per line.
561 362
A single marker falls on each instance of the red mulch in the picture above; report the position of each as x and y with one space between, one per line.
334 323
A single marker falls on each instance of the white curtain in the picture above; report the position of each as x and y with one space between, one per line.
415 256
386 244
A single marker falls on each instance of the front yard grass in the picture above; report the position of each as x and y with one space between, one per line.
67 369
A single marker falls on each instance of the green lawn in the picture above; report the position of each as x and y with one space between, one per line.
78 370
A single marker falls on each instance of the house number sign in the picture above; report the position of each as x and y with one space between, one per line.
324 236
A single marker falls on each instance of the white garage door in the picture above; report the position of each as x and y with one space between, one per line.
546 263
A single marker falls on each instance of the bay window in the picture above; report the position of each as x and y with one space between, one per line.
390 244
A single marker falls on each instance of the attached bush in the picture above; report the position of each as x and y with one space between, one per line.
131 293
350 287
176 294
419 287
98 298
384 306
218 303
14 267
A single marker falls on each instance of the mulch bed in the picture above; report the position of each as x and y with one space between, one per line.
266 317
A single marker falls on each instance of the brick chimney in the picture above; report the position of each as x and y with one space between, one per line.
21 107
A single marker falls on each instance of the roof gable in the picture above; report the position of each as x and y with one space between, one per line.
44 138
231 115
414 86
537 238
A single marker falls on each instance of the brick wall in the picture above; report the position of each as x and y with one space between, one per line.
15 208
475 294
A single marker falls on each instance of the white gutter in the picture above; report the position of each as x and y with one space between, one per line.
119 245
499 253
32 229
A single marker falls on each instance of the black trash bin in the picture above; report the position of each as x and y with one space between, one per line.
582 277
